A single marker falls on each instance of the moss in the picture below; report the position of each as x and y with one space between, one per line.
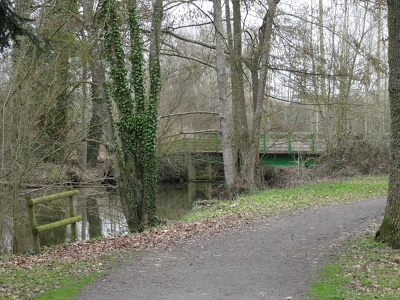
382 231
388 233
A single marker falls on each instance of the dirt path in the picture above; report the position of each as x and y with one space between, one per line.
275 258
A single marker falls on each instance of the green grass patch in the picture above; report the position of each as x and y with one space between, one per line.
56 279
280 200
363 269
68 288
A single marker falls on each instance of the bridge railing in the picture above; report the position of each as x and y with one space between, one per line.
298 142
276 142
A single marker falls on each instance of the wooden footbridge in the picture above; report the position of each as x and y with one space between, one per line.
294 149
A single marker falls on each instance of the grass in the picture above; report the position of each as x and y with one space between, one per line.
280 200
55 280
363 269
68 288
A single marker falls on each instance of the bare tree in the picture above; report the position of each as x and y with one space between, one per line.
389 231
225 107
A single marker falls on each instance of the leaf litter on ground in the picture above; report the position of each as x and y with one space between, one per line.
23 276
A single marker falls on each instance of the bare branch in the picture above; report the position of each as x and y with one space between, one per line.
188 58
203 131
188 40
189 113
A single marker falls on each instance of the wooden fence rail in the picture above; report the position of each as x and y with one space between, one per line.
71 220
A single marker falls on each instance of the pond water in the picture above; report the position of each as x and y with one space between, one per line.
101 213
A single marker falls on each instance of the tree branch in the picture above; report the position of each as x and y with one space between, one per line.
188 58
188 40
189 113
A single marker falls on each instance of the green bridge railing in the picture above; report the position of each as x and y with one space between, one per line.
274 143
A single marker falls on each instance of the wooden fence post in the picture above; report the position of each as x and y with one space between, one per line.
32 221
71 215
71 220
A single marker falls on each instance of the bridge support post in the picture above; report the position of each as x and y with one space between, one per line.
198 171
191 170
207 172
191 191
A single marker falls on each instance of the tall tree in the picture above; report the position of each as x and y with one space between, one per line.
246 129
57 24
240 120
225 106
134 117
260 61
389 231
246 119
149 160
100 129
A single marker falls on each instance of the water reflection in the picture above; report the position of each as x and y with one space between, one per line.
102 213
5 235
174 201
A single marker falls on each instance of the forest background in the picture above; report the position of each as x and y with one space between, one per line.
276 68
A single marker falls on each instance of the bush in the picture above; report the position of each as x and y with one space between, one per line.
357 155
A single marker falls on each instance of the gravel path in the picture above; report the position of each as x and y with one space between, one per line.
275 258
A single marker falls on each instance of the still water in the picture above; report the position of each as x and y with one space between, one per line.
101 213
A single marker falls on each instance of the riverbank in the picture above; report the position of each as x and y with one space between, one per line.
72 265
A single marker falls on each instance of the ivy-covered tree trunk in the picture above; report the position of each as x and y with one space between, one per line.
135 122
151 122
124 122
389 231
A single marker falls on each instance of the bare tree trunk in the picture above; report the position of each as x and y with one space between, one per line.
381 107
389 231
324 109
224 105
100 115
343 82
347 65
251 159
84 155
240 122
